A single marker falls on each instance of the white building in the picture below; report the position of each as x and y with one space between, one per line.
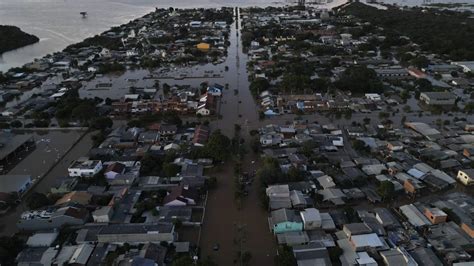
373 96
103 214
311 219
466 176
84 168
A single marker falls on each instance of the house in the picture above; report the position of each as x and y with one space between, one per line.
114 169
271 139
195 24
279 197
65 186
468 152
203 46
179 196
311 219
326 181
84 168
466 176
35 256
285 220
440 98
395 257
75 197
395 146
373 97
333 195
311 254
136 233
103 214
42 239
167 129
298 200
435 215
365 241
203 110
356 229
201 135
82 254
385 217
216 92
293 238
52 219
414 216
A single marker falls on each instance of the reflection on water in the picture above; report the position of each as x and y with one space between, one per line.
58 23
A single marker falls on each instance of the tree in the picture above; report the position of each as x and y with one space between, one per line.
366 120
101 123
285 256
84 111
384 115
171 169
386 190
360 146
359 79
217 146
9 249
38 200
16 124
423 85
294 175
259 85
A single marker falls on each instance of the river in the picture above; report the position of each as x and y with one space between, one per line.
58 23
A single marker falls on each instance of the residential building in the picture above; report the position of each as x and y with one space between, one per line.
180 196
137 233
52 219
466 176
311 219
114 169
435 215
84 168
440 98
103 214
285 220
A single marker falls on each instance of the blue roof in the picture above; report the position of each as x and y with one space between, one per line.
300 105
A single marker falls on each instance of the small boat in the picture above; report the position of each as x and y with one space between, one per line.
83 14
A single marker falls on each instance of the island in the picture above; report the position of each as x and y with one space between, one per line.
12 38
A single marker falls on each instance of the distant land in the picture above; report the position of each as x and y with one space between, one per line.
12 38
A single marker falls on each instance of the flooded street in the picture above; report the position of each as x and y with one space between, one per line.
50 147
225 224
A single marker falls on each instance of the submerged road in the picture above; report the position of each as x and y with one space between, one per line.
232 228
39 163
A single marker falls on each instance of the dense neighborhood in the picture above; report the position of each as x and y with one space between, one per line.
292 135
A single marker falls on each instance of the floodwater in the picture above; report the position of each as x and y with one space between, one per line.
222 219
58 23
50 147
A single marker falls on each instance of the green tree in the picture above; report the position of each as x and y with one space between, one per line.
101 123
171 169
285 256
9 249
386 190
16 124
38 200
